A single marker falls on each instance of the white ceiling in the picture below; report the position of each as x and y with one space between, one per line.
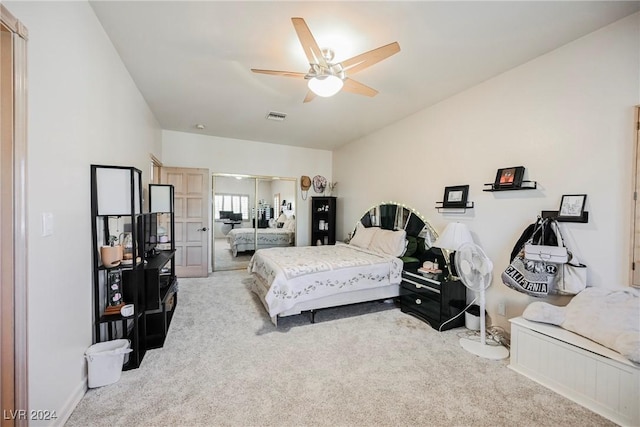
192 60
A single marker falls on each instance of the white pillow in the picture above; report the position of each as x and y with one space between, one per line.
389 242
289 225
544 312
363 236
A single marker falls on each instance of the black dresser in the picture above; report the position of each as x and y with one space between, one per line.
433 300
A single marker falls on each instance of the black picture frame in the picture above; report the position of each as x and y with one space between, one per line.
510 177
455 197
572 206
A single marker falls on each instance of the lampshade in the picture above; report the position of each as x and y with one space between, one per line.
453 236
325 86
282 218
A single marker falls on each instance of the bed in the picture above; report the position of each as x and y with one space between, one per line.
293 280
243 239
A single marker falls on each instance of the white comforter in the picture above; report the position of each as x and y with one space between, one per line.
243 239
298 274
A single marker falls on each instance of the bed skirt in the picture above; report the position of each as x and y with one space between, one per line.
260 288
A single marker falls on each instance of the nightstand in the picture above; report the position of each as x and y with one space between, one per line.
433 300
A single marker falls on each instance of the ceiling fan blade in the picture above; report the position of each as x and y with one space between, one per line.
310 97
309 44
367 59
358 88
280 73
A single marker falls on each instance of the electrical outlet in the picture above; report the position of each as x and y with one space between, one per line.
502 308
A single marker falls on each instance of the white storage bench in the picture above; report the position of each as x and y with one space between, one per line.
592 375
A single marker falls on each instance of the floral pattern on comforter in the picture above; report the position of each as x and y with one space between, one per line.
297 274
245 237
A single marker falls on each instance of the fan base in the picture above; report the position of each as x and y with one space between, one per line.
493 352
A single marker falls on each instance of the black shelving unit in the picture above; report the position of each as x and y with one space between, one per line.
323 220
116 198
161 283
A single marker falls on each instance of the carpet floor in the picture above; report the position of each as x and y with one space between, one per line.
225 364
224 260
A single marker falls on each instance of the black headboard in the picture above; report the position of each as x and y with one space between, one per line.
394 216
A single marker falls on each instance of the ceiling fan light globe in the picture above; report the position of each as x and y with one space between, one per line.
325 86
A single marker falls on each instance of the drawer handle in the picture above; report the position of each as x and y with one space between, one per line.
418 301
420 285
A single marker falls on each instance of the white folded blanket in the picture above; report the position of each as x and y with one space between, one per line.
610 317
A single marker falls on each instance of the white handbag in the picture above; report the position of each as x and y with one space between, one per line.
554 254
571 279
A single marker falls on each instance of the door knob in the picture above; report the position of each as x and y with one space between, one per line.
202 229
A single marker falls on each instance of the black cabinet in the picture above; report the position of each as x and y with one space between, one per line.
433 300
323 221
161 283
161 288
118 270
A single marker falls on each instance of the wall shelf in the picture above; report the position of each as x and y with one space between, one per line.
441 207
526 185
584 218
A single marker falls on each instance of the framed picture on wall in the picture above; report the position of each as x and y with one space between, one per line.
455 197
509 177
572 206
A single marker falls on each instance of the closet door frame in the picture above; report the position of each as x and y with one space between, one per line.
13 219
634 274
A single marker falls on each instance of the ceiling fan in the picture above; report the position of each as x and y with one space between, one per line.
327 78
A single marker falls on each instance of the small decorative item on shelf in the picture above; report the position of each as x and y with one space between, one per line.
114 292
455 198
509 177
111 255
430 269
571 209
572 206
331 186
126 242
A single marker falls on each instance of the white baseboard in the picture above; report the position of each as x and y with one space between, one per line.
71 403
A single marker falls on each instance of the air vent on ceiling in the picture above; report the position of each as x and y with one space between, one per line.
274 115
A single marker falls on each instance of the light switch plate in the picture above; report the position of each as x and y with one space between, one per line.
47 224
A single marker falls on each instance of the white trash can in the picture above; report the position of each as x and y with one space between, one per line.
105 361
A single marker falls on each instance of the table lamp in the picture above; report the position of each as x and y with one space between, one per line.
454 235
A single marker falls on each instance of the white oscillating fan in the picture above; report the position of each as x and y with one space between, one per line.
474 269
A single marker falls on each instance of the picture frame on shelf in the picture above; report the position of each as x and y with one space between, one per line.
510 177
455 196
572 206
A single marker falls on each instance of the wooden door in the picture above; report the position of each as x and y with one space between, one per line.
191 192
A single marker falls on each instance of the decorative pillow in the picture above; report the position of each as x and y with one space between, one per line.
289 225
363 236
389 242
544 312
412 246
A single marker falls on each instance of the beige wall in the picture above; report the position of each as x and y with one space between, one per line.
83 108
226 155
566 116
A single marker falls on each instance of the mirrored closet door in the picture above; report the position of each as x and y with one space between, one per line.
250 213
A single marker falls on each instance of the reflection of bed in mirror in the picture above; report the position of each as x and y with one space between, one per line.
280 233
243 239
293 280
